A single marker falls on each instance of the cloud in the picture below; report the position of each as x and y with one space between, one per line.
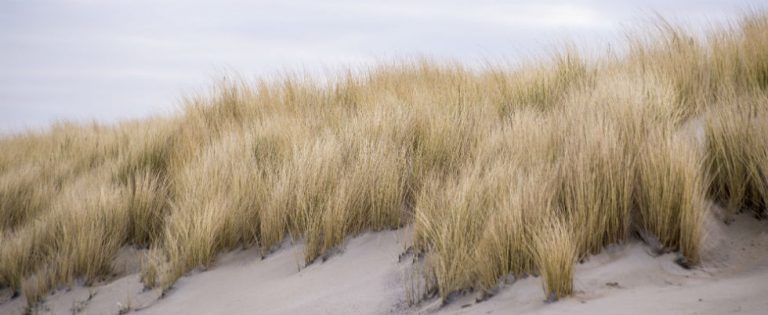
109 59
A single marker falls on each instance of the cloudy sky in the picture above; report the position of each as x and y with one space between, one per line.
118 59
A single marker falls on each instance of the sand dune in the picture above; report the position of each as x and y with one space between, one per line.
367 278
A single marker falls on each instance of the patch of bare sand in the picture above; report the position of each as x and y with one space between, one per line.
365 278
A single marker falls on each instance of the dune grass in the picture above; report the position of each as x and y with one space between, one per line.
502 172
737 154
670 193
555 251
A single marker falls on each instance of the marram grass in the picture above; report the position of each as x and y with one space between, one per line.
501 172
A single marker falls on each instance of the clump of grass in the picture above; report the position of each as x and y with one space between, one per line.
670 193
596 178
737 154
449 219
147 198
524 196
22 252
371 196
520 158
23 195
216 206
87 251
311 178
555 251
480 217
77 239
191 240
38 165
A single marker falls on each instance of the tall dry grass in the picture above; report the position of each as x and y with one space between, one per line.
502 172
737 153
670 192
555 251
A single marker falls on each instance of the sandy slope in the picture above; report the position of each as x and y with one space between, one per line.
366 278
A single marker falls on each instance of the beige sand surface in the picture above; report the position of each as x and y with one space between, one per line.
366 278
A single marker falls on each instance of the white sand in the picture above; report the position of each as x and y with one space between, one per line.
366 278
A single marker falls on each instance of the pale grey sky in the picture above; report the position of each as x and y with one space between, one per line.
116 59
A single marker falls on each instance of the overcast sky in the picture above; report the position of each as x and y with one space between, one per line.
117 59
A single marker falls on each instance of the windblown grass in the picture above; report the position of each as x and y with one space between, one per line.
555 251
737 153
670 193
502 172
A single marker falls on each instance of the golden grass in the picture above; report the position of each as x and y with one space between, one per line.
502 172
555 251
670 193
524 180
596 181
737 153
